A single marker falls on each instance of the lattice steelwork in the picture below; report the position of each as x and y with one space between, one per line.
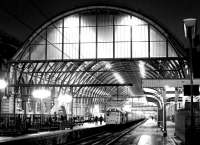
76 51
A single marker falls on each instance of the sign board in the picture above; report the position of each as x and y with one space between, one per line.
187 90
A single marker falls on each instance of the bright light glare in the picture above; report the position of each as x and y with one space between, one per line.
168 88
108 66
144 139
136 21
142 69
96 110
127 108
3 84
41 93
65 98
119 78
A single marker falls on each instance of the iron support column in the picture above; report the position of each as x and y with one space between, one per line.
164 113
176 99
71 91
191 84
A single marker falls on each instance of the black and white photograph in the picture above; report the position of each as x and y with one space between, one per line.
99 72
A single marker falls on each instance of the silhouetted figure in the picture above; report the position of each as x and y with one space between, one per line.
50 121
96 120
18 122
101 119
55 116
62 118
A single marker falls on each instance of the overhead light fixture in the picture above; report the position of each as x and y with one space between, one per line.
190 27
3 84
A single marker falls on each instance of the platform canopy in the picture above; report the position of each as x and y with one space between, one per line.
96 53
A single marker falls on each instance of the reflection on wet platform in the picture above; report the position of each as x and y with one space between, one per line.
149 134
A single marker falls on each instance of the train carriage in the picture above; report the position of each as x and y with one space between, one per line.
117 116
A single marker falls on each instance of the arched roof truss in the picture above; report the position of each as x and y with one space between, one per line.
88 46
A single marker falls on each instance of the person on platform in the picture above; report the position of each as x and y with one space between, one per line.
96 120
101 120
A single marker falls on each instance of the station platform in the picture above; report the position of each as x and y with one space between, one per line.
149 134
76 131
146 134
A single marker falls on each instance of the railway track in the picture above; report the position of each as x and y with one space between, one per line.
106 137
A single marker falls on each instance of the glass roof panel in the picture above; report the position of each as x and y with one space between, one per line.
91 35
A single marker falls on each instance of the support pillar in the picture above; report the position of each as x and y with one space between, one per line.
71 91
1 96
15 91
164 113
176 99
117 95
14 100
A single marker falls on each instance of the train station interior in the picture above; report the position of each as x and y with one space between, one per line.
72 68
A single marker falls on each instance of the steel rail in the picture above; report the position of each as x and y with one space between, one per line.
86 138
121 134
106 138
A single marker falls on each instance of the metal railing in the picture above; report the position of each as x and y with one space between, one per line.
38 122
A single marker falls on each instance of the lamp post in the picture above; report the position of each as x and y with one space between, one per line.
71 91
190 32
